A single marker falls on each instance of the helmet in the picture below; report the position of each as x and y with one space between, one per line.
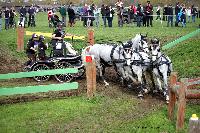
41 38
34 35
155 41
127 45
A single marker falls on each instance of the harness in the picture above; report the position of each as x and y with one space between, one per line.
157 64
116 60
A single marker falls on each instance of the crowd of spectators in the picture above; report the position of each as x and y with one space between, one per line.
143 15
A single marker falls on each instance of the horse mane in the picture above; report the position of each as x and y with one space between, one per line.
135 41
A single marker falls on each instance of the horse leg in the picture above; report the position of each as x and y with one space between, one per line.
165 86
155 71
141 90
101 72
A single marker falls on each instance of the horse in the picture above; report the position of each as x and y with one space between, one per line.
162 66
111 55
136 65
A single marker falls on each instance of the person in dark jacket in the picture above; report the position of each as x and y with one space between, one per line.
109 15
183 16
12 17
71 15
149 10
193 12
103 13
177 11
31 49
41 48
165 11
170 15
31 12
6 16
23 13
139 15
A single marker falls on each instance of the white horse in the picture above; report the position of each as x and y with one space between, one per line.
137 65
106 55
111 55
162 66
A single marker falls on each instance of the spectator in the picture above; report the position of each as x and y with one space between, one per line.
90 16
165 13
188 12
109 14
158 13
193 13
85 12
120 16
71 15
23 13
63 14
0 19
6 15
170 15
149 10
12 17
31 12
96 15
103 13
144 18
183 16
119 3
139 15
177 11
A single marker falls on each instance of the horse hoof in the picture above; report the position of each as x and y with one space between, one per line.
145 91
140 96
106 84
167 98
129 86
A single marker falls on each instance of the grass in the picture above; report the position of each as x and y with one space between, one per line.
103 113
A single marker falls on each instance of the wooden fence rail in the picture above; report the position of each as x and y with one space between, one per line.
186 89
40 88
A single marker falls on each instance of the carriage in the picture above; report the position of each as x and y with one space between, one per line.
57 62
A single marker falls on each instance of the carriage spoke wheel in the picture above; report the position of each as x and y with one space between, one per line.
64 77
80 73
40 67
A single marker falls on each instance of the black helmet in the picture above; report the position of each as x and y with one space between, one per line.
128 45
41 38
34 35
155 41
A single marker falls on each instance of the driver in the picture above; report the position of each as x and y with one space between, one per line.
31 49
59 44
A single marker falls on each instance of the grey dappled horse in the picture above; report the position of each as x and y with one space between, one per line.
138 64
105 55
162 66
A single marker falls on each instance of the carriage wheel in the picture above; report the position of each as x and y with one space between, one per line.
40 67
80 73
64 77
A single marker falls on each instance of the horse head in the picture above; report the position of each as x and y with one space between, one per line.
155 49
